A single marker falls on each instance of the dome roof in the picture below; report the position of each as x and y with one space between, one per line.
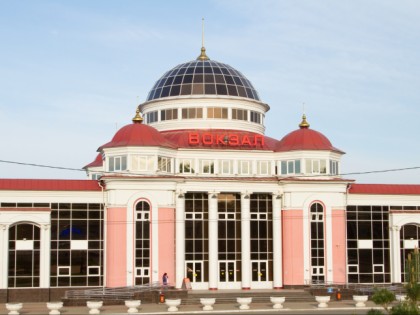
97 162
203 77
137 134
305 139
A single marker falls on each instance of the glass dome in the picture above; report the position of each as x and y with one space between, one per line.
203 77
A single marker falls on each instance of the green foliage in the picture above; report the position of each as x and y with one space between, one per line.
374 312
383 297
413 292
405 308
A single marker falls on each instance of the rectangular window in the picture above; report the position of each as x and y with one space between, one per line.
316 166
192 113
185 166
353 268
244 167
117 163
378 268
239 114
290 167
63 271
152 117
169 114
217 112
226 167
164 164
263 167
207 167
334 167
255 117
142 163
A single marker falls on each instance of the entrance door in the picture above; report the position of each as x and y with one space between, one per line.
227 271
259 271
318 274
194 271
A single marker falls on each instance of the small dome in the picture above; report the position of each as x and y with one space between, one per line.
135 135
97 162
203 77
305 139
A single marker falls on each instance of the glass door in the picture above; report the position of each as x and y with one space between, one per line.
259 271
194 270
227 271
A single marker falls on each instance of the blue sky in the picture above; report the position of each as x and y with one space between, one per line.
72 73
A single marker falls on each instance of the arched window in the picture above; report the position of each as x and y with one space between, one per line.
24 253
142 243
409 239
317 243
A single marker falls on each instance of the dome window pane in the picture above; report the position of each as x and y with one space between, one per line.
161 82
165 91
199 70
157 93
174 71
186 89
210 89
249 93
232 90
237 80
182 71
241 91
169 81
217 70
221 89
205 64
198 78
190 70
209 78
219 79
229 79
225 71
198 88
187 79
178 79
175 90
208 70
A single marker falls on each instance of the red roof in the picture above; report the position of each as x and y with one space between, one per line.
49 184
97 162
212 139
384 189
137 135
305 139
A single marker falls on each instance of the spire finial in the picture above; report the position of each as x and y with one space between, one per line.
304 123
203 55
137 119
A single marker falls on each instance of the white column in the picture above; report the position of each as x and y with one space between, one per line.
213 243
4 255
246 241
395 254
277 243
45 252
180 240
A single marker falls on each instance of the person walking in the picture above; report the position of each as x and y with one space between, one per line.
165 279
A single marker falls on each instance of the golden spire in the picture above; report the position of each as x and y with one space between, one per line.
137 119
304 123
203 55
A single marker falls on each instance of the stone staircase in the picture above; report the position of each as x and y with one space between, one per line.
258 296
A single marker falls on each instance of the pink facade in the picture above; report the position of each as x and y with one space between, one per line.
167 243
293 247
116 247
339 245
